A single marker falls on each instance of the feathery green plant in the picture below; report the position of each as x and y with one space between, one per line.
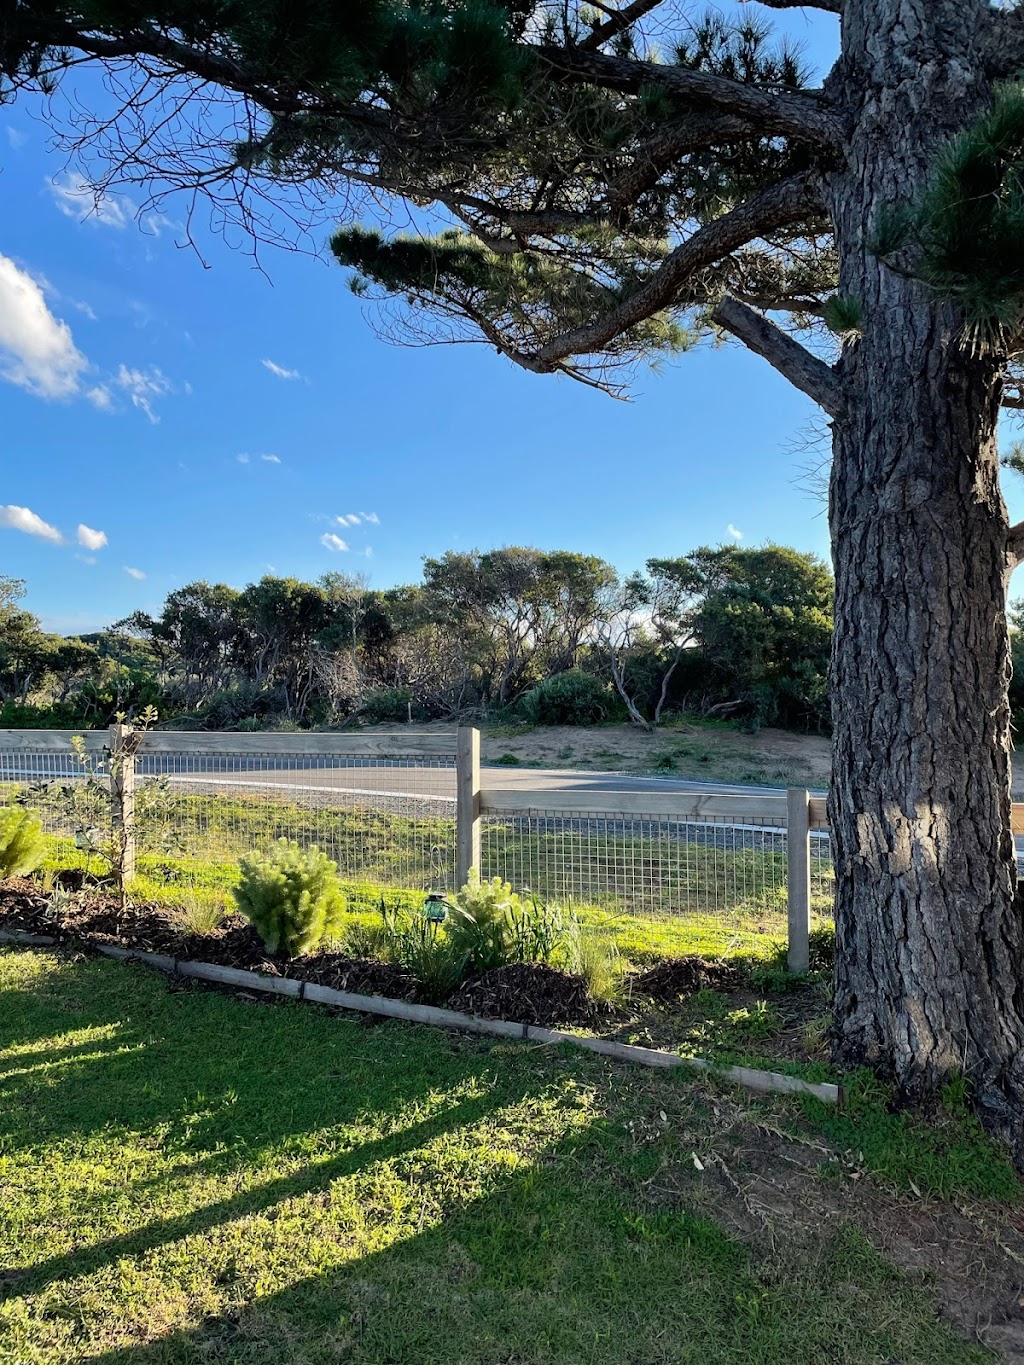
292 897
22 845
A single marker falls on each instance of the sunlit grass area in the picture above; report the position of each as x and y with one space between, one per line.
191 1178
647 870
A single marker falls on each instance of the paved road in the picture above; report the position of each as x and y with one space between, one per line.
439 783
368 776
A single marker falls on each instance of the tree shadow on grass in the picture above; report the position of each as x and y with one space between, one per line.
552 1251
555 1268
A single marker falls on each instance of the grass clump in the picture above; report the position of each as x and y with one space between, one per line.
292 897
200 915
22 843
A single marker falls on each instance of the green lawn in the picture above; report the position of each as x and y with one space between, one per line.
192 1178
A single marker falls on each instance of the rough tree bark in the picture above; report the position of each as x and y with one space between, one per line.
930 946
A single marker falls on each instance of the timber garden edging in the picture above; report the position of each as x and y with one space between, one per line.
765 1082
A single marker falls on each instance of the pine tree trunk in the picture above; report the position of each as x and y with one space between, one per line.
930 975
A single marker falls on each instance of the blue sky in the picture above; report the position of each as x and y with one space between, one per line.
201 420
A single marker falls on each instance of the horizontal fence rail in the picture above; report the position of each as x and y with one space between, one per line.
411 809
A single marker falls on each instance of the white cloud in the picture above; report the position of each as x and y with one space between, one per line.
372 518
37 351
86 559
99 397
76 200
736 535
142 386
90 539
22 519
244 458
333 543
271 459
347 519
134 573
280 371
16 137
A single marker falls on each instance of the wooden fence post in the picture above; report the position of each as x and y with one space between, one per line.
798 863
122 800
467 805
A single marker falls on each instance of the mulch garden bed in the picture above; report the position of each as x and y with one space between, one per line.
656 1008
530 993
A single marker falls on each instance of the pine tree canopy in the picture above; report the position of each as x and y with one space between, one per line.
588 183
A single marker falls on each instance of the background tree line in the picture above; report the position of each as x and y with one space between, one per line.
552 637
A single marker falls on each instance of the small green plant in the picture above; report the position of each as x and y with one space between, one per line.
482 925
411 940
292 897
22 844
508 761
595 957
200 914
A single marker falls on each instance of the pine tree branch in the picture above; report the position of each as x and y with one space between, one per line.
1015 545
793 201
689 133
832 6
617 22
808 117
759 334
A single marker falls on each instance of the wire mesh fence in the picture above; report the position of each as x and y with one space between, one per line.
390 820
383 820
646 864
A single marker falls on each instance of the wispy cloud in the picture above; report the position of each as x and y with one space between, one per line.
142 387
333 543
76 200
23 519
246 458
372 518
134 573
90 539
347 519
280 371
37 350
16 137
734 533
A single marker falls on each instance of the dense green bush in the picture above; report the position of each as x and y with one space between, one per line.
571 698
292 897
22 845
390 704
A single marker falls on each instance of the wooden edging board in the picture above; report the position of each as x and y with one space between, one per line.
769 1082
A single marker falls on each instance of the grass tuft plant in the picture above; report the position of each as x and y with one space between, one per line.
292 897
200 914
22 842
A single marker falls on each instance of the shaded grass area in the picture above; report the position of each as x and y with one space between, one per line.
189 1178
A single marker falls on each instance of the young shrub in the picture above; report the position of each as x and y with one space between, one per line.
292 897
482 925
22 845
